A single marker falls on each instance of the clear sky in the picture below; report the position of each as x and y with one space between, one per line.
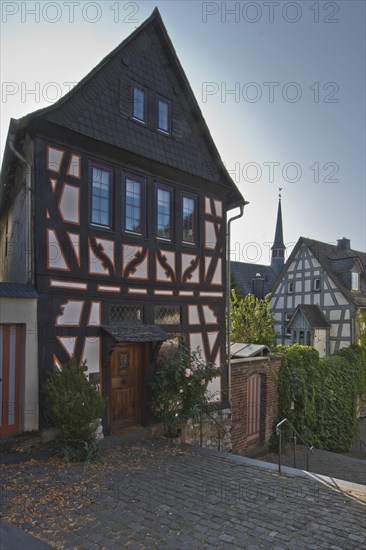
280 84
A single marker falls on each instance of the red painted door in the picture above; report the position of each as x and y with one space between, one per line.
253 409
10 354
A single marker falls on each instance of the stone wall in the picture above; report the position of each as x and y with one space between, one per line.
241 371
213 432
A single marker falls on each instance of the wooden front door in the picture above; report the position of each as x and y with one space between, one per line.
125 385
10 357
254 409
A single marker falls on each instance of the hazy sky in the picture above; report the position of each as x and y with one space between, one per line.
280 84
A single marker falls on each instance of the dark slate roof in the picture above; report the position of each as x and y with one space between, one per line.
147 56
336 261
313 316
17 290
244 273
136 332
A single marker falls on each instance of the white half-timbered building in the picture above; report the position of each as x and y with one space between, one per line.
318 295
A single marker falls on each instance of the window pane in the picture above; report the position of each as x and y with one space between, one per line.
355 281
163 214
163 115
188 219
167 315
125 314
100 197
133 206
138 107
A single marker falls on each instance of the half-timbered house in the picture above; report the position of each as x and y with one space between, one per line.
114 203
319 294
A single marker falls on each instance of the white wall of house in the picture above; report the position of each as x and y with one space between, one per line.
320 341
298 287
24 311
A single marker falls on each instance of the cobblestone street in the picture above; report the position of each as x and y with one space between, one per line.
149 494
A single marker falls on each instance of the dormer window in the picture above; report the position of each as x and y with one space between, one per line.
163 119
355 281
139 104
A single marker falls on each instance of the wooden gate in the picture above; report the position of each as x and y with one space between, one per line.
253 409
10 357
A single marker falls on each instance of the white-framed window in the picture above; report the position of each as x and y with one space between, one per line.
355 281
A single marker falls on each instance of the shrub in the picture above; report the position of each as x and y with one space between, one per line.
180 390
72 403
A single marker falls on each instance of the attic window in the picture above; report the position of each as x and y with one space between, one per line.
355 281
316 285
163 118
290 288
139 104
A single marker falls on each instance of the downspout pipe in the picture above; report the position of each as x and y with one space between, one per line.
228 293
28 251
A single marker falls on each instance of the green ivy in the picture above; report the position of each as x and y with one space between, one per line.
320 397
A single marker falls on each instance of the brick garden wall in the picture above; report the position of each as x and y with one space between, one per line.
241 370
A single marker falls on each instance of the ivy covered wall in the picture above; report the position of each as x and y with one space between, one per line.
321 397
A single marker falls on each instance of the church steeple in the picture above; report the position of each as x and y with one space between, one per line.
278 247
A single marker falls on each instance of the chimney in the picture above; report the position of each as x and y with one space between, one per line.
344 243
258 286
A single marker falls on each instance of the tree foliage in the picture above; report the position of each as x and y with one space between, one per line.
251 319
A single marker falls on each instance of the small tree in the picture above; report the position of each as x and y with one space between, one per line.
251 319
72 403
180 389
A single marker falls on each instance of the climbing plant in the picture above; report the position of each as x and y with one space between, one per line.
320 397
297 382
361 325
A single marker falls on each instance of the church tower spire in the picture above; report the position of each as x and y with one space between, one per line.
278 247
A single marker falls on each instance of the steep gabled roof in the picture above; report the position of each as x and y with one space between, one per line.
76 112
336 261
312 314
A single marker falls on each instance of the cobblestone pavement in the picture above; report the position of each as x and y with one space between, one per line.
149 494
323 462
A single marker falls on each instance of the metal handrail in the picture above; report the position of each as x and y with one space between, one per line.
310 449
361 442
